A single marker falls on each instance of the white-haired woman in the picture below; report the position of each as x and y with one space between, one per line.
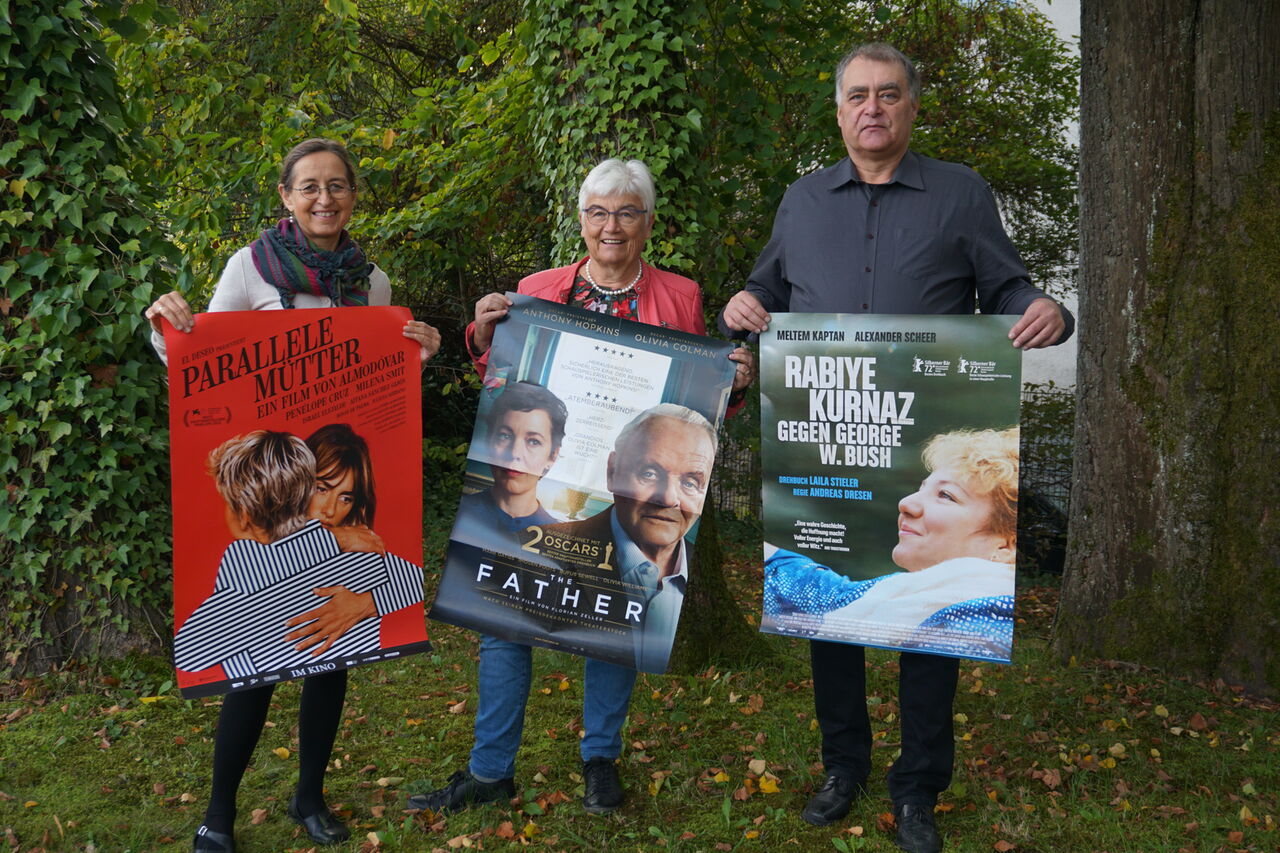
615 212
616 203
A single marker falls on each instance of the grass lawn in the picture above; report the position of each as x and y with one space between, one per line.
1095 756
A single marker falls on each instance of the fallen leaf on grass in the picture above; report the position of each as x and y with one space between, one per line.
757 765
280 752
459 707
158 789
259 815
506 830
389 781
1003 846
554 798
378 811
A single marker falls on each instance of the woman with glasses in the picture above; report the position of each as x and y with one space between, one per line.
306 261
616 217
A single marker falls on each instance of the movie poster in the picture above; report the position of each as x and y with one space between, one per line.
586 476
890 471
295 440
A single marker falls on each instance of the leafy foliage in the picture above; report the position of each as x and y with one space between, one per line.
473 122
1046 452
84 518
612 80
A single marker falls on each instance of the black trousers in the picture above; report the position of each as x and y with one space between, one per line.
240 724
926 688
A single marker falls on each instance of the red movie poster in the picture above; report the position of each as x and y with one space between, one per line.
295 440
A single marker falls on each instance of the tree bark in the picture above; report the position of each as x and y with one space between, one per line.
1175 529
712 627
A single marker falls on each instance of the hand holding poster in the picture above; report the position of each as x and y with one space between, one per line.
587 472
288 430
891 442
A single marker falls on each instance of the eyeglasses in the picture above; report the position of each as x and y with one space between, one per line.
626 217
337 189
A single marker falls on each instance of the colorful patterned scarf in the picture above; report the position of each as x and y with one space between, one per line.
288 261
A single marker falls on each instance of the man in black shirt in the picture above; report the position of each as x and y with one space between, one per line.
889 231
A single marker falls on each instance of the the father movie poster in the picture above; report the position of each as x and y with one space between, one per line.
297 495
588 469
890 477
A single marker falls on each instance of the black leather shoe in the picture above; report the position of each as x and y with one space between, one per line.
463 790
916 832
323 827
832 800
208 841
602 788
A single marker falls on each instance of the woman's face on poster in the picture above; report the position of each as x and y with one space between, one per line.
522 450
333 498
947 518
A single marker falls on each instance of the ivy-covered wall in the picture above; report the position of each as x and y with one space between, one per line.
84 526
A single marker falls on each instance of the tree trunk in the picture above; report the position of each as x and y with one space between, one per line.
1175 529
712 628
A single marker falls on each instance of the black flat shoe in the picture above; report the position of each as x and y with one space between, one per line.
208 841
832 801
323 827
916 830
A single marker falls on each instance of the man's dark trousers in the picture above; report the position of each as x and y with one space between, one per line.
926 687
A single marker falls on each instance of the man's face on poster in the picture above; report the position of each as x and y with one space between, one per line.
659 481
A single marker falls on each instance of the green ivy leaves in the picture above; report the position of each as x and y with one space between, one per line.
81 450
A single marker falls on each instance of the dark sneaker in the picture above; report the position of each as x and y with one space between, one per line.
832 801
602 787
463 791
916 831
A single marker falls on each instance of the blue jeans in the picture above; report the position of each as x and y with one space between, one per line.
506 674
